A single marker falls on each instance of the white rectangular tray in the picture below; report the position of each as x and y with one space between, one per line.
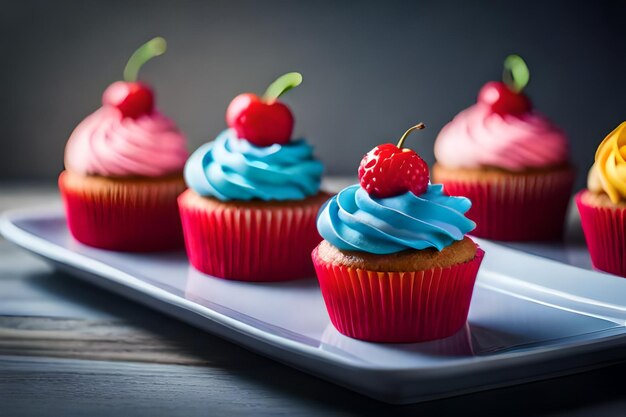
531 318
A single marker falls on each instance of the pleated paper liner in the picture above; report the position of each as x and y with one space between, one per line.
513 206
251 241
605 233
397 307
134 215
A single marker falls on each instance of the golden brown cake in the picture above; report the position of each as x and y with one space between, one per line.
442 174
195 201
406 261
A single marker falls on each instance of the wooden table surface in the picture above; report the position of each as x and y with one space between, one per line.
68 348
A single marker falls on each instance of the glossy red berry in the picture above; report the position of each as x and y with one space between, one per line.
133 99
388 171
502 99
260 122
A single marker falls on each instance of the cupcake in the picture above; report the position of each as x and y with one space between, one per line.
512 162
602 206
123 169
395 264
249 213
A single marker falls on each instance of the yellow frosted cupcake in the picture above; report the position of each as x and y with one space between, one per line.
602 206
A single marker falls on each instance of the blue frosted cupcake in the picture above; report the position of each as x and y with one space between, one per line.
395 264
250 211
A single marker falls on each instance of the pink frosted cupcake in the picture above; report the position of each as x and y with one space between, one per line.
511 161
395 264
124 168
254 193
602 206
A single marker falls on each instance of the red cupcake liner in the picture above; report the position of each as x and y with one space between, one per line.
605 233
397 307
127 216
517 207
260 244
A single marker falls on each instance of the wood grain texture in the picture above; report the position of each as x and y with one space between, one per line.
45 386
68 348
88 339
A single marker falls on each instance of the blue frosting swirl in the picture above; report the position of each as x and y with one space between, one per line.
352 220
231 168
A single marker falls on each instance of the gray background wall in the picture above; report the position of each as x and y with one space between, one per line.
371 69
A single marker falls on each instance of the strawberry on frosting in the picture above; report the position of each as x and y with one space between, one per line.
389 170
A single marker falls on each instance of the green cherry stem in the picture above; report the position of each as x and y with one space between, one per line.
145 53
516 74
282 84
418 126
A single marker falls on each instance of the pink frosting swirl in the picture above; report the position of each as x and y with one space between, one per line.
477 137
108 144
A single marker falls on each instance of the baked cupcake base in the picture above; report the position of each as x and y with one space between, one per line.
529 205
251 240
123 214
604 226
384 298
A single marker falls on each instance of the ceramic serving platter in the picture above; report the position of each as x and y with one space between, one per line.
531 317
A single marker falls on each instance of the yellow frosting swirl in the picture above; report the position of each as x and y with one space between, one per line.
608 174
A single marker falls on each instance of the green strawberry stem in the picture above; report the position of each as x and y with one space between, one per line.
418 126
145 53
516 74
282 84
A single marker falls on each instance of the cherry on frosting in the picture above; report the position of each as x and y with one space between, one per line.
502 99
264 121
507 97
261 123
389 170
134 98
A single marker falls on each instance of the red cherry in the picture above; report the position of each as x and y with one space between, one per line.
387 171
133 99
261 123
502 99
